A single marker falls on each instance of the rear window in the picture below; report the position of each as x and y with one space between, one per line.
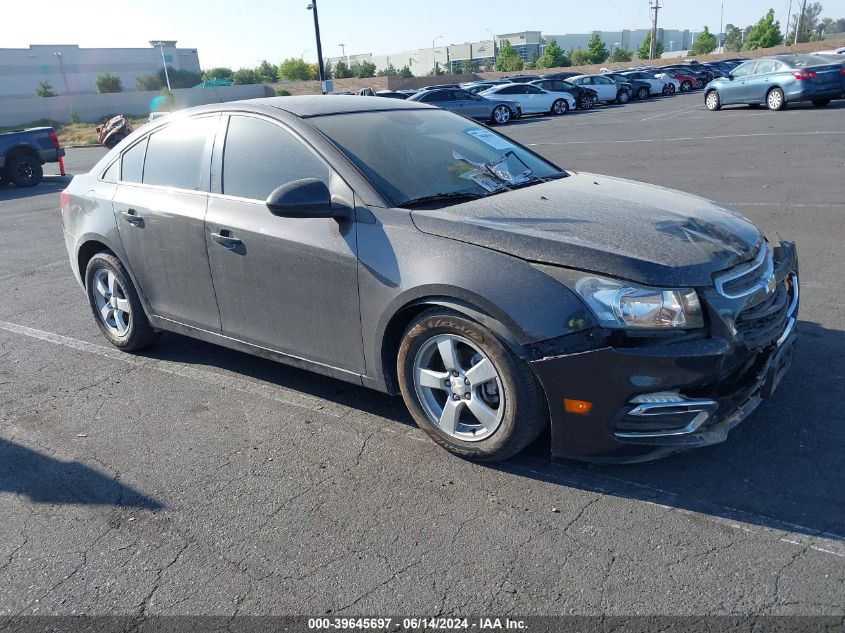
178 153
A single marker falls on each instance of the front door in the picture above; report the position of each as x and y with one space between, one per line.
160 206
735 90
287 284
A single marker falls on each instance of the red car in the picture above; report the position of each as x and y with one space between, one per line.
687 83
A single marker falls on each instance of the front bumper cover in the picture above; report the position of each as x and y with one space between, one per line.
720 375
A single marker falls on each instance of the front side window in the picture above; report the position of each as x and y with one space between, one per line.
260 156
743 69
177 155
602 81
132 162
409 154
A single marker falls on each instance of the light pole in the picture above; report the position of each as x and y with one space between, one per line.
343 52
312 6
160 44
671 46
493 37
434 54
62 69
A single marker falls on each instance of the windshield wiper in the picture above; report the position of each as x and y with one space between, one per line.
535 180
452 196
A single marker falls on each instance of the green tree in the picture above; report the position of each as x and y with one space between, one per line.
221 72
405 72
553 57
597 50
244 76
148 83
468 67
281 92
328 70
704 44
508 60
733 38
387 71
436 71
267 73
106 82
829 25
291 69
765 34
621 55
44 89
580 57
809 24
644 51
341 71
365 69
179 78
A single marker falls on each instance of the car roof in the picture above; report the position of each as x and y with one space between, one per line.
317 105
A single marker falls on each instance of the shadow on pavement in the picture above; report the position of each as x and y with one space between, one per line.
782 468
50 184
44 479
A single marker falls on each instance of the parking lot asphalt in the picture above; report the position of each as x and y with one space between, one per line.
196 480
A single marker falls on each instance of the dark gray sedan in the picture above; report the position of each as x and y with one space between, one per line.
471 105
400 247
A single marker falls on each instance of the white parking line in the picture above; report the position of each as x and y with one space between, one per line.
689 138
668 114
722 515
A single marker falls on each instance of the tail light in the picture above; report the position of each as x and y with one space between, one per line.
54 137
803 74
842 71
64 199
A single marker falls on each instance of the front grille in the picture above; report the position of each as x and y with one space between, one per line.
746 279
761 324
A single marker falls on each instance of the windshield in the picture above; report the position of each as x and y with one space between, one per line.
411 154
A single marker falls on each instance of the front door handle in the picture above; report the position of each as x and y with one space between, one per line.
131 216
224 238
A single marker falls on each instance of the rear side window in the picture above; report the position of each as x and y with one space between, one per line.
260 156
132 163
111 174
765 66
178 154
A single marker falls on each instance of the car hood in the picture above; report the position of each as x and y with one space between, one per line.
601 224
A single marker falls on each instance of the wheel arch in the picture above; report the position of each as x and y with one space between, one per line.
90 245
23 150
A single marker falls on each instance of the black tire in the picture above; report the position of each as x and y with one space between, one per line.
623 97
666 90
686 86
712 100
24 170
820 103
3 180
525 412
643 93
699 84
139 333
560 106
504 116
775 99
587 102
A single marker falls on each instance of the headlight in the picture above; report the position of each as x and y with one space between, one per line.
619 304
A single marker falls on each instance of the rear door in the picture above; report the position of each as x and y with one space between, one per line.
605 87
287 284
160 204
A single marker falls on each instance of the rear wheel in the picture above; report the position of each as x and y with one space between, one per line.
643 93
115 304
587 102
699 84
470 393
24 170
686 85
623 96
712 101
501 115
666 91
560 106
775 100
3 180
820 103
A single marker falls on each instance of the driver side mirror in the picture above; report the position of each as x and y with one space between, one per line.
305 198
730 76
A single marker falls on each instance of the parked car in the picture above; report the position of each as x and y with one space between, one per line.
439 86
685 82
605 88
561 75
520 79
657 85
777 82
835 51
702 76
479 86
638 88
493 109
401 247
24 152
391 94
585 98
533 100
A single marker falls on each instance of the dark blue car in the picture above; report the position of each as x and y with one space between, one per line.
778 81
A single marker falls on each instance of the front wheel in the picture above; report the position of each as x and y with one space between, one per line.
623 96
775 100
686 86
665 90
115 304
643 93
3 180
587 102
501 115
469 392
560 106
712 101
820 103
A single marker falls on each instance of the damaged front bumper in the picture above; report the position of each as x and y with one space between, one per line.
652 400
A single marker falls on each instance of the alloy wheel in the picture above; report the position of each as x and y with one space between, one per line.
775 99
112 303
560 107
501 114
712 100
458 387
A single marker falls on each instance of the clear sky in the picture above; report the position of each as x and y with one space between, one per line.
241 32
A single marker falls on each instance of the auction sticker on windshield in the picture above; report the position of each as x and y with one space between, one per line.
493 140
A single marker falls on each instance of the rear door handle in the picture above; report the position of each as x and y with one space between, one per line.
224 237
131 216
